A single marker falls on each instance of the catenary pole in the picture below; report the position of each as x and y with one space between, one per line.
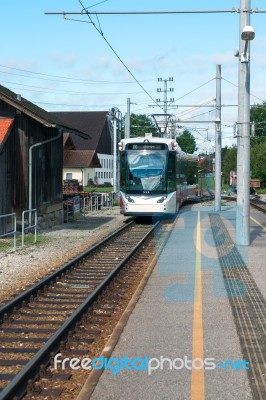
127 120
218 141
243 140
115 154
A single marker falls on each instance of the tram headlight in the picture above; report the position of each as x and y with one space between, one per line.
161 200
129 199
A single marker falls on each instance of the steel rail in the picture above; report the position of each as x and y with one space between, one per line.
8 308
256 203
18 385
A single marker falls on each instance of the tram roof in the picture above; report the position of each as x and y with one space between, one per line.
171 143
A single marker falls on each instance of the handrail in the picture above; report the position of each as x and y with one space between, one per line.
30 212
14 231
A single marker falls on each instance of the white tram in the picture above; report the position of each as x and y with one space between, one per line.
153 176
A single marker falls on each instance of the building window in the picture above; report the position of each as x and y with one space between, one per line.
69 175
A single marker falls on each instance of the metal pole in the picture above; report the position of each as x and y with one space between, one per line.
127 121
30 163
218 141
115 153
165 107
243 141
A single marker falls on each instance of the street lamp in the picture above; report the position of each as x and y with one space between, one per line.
246 35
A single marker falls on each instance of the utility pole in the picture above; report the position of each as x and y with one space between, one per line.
218 141
127 120
116 118
165 101
115 155
243 140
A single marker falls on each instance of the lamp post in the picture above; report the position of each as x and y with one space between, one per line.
243 142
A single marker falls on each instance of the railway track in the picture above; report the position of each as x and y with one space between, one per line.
258 204
254 202
63 313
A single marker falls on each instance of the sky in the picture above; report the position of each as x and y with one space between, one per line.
77 63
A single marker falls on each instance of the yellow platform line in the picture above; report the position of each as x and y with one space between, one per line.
197 379
258 223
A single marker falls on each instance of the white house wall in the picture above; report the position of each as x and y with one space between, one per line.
104 174
81 174
98 175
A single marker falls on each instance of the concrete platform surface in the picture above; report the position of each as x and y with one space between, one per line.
181 340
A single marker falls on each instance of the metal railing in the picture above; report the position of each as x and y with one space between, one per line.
99 201
31 213
14 228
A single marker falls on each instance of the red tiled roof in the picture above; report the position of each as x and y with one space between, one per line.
5 127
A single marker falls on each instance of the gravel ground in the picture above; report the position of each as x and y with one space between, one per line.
22 268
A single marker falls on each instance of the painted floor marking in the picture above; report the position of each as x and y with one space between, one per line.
258 223
197 380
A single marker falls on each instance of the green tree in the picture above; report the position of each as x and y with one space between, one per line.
229 162
187 142
258 142
258 161
258 116
223 152
141 124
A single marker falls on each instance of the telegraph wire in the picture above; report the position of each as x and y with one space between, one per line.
86 81
62 91
107 106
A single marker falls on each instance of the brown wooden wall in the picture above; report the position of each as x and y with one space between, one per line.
14 160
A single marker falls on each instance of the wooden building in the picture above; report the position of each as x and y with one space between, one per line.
31 159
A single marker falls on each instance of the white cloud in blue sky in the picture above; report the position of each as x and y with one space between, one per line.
185 47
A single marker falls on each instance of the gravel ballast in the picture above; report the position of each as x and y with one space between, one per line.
22 268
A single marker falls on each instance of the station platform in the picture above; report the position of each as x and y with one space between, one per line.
198 329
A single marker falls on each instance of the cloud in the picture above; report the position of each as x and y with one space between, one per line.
63 59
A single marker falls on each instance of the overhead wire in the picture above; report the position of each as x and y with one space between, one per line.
86 81
61 91
237 86
194 90
119 58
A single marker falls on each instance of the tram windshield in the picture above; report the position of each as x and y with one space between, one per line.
146 171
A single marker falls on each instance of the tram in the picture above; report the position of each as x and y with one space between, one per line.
153 176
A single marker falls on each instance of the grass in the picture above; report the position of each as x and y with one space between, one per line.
261 191
104 189
7 243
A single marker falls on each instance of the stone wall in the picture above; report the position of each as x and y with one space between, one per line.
50 216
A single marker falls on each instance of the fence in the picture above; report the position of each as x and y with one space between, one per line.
13 225
89 203
206 185
29 223
98 201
